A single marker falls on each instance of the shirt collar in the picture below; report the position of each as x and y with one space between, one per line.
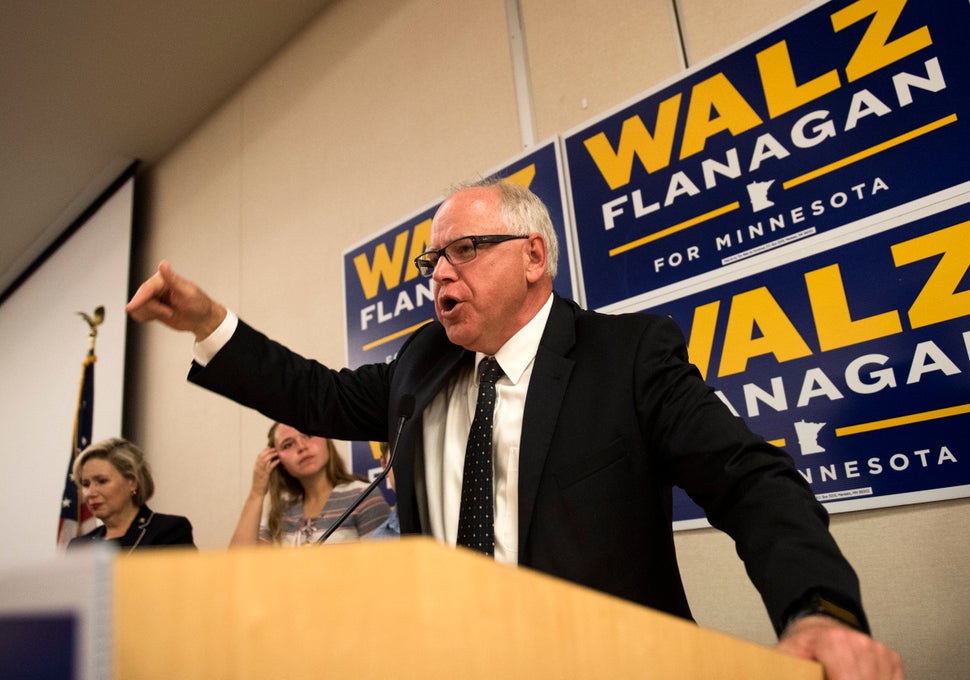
520 350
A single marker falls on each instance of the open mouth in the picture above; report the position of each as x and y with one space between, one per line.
446 303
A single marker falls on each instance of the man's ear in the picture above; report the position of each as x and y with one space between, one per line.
536 267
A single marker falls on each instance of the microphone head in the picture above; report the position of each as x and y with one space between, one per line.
405 408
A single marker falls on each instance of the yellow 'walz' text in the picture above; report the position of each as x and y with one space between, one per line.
391 267
756 325
875 50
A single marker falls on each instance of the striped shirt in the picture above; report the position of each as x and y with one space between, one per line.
298 530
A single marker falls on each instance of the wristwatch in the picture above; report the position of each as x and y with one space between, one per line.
817 604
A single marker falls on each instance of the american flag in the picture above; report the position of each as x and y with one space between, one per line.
76 518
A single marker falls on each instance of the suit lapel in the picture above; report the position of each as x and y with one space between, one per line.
547 388
410 448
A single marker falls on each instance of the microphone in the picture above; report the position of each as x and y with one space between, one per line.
405 410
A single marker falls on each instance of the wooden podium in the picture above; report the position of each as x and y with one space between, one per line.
399 609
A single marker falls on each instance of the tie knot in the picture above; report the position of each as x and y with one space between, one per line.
489 371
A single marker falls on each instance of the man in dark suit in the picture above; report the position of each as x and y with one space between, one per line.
595 417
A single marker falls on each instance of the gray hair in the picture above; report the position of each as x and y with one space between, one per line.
523 213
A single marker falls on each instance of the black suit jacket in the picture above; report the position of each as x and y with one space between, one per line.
615 415
148 529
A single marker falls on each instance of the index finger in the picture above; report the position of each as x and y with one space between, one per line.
151 290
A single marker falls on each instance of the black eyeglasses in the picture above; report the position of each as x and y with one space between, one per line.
459 251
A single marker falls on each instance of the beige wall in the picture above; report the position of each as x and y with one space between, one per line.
365 119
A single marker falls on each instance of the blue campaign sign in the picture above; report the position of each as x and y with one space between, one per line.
387 299
853 358
850 109
541 171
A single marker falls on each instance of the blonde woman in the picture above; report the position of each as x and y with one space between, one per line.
114 480
309 488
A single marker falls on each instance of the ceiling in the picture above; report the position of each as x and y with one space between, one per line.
87 88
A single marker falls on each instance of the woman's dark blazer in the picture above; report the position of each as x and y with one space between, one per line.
148 530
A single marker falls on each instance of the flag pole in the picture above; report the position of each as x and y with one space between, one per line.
75 517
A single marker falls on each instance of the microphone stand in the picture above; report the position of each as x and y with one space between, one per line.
406 409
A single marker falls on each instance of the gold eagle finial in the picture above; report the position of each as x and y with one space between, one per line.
94 320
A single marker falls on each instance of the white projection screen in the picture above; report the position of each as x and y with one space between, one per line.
43 344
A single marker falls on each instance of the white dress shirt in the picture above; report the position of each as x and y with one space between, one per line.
447 421
204 350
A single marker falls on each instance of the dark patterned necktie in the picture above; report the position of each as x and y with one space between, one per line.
476 528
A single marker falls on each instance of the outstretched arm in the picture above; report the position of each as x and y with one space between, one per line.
176 302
